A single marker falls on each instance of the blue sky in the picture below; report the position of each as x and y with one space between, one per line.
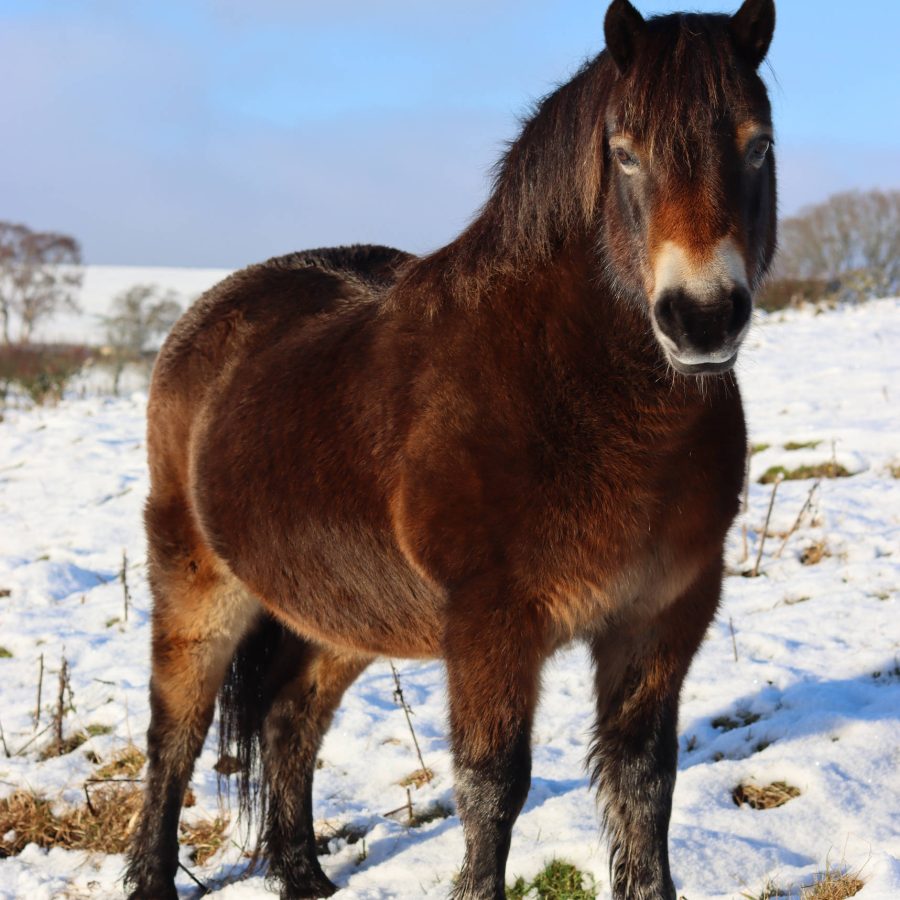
220 132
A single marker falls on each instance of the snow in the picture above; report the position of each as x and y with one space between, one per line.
814 691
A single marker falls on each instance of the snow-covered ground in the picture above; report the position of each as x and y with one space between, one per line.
803 660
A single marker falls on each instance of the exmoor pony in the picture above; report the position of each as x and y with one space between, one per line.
531 436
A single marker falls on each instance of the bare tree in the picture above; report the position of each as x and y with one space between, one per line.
139 314
852 239
40 274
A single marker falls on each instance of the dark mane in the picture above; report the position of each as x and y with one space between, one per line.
545 188
547 185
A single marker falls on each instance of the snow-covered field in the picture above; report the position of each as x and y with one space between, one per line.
101 284
798 681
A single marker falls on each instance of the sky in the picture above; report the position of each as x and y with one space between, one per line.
221 132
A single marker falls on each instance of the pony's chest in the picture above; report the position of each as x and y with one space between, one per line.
646 524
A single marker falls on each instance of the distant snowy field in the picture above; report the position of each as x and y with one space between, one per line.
816 679
100 286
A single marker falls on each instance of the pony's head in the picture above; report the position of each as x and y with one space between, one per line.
689 209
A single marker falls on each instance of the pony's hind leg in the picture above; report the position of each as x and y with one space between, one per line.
307 684
200 613
635 753
275 706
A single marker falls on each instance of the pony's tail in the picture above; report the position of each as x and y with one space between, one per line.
251 684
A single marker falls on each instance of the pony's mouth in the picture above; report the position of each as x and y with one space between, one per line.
704 368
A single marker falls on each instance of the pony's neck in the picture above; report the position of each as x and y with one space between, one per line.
545 198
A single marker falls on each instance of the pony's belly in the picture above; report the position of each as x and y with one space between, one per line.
350 589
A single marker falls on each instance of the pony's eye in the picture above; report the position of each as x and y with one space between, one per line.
758 152
628 161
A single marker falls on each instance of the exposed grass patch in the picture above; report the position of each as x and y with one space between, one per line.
352 834
127 763
429 814
560 880
832 884
741 719
802 473
758 448
205 837
5 654
894 470
768 797
801 445
814 553
95 730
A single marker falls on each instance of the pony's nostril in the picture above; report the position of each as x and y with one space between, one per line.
667 313
741 306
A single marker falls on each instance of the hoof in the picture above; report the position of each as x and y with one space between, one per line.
154 893
309 889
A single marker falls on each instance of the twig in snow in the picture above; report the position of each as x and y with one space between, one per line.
746 502
733 639
398 696
60 712
3 741
37 706
762 538
123 577
797 521
194 878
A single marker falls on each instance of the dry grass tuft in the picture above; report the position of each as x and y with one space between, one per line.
127 763
62 748
103 826
206 837
417 778
768 797
815 553
833 884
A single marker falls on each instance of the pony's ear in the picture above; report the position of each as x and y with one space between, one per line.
623 27
751 29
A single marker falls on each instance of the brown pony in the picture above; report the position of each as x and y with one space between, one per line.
528 437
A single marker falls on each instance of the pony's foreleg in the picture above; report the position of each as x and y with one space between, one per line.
635 751
198 620
494 651
292 731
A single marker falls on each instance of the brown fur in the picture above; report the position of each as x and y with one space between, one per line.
479 455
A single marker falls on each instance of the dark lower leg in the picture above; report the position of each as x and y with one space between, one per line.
172 747
292 732
494 657
490 795
635 766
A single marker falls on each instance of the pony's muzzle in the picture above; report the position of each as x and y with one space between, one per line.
702 336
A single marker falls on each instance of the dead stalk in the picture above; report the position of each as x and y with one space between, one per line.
3 741
60 712
796 525
123 577
762 538
37 706
746 503
733 639
398 696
